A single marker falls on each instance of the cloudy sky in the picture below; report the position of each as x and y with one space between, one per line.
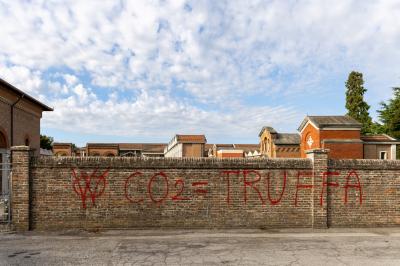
141 71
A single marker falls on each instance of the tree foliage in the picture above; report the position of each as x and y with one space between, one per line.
389 114
355 104
46 142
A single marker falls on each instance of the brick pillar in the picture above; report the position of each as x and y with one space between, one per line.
20 188
320 166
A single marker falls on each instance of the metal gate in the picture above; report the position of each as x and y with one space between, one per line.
5 174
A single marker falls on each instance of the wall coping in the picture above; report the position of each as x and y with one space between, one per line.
172 163
318 151
364 164
20 148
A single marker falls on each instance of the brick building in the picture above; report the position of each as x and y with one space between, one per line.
63 149
20 116
342 136
278 145
186 146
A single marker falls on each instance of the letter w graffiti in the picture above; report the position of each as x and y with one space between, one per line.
92 185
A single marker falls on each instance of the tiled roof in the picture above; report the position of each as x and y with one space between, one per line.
331 121
247 147
191 138
45 152
287 138
153 148
224 146
378 138
61 144
102 145
145 147
270 129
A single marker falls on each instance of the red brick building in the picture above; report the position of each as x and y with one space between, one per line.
340 134
63 149
20 116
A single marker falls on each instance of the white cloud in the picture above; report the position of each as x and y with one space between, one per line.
199 62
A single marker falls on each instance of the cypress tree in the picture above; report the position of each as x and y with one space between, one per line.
355 104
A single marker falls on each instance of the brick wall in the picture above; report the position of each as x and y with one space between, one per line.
122 192
344 150
374 203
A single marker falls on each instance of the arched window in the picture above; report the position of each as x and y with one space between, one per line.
27 142
3 141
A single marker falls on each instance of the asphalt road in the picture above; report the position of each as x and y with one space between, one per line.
201 247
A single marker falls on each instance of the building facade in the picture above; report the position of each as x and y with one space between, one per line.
342 136
278 145
186 146
380 147
111 149
20 116
63 149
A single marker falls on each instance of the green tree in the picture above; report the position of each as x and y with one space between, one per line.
46 142
389 114
355 104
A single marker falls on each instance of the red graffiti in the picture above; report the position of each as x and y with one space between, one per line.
302 186
93 185
327 184
272 201
127 184
178 196
200 190
347 186
251 184
166 187
228 184
157 187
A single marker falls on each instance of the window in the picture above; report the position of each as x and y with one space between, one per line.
383 155
27 142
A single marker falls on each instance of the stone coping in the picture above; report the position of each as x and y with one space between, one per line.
172 163
364 164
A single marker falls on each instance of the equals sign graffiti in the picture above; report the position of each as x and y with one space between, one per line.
200 190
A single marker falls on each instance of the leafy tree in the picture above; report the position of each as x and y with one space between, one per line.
46 142
355 104
389 114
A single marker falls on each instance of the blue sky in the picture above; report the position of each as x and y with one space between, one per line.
141 71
